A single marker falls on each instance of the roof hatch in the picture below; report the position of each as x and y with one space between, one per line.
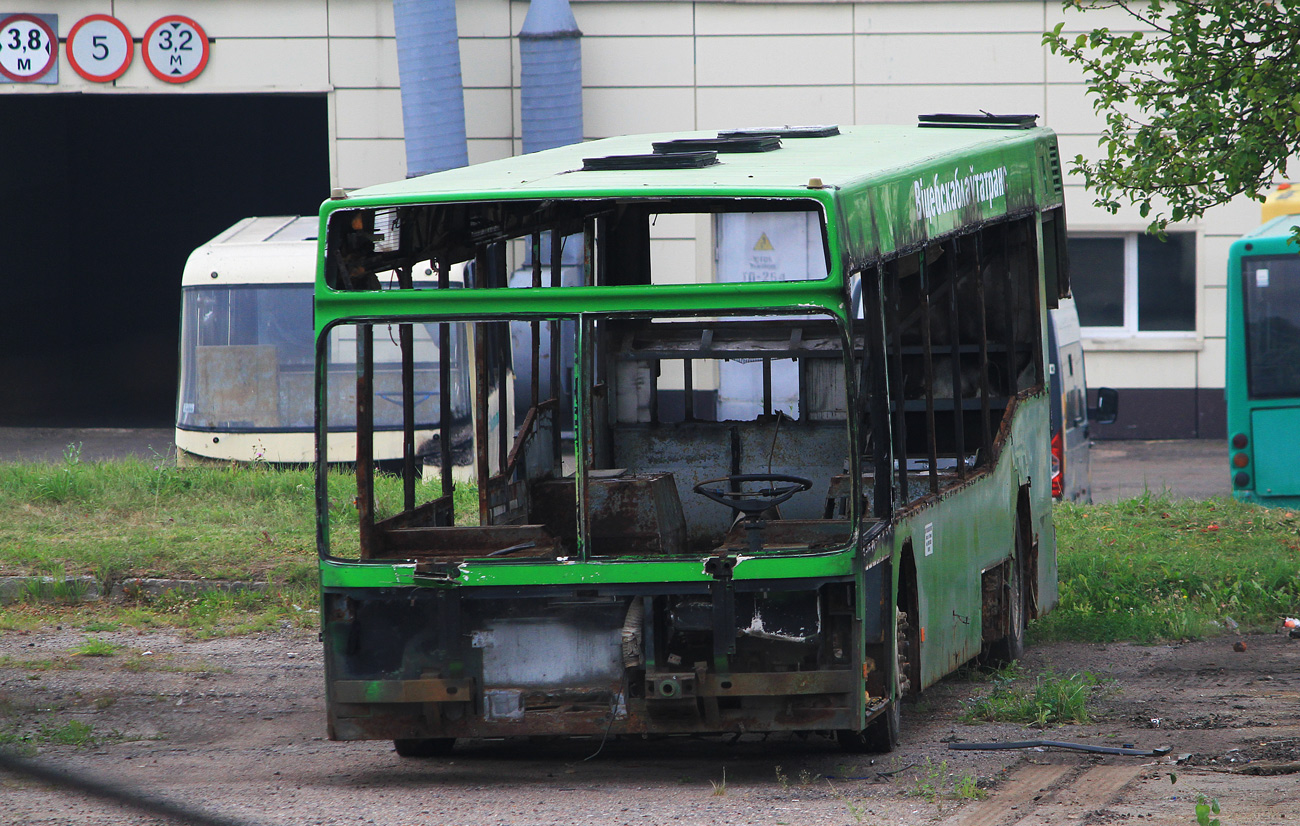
734 143
824 131
984 120
674 160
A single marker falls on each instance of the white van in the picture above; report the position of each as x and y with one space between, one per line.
1071 416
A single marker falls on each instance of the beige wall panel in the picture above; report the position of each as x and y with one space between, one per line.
1083 21
1214 257
1214 311
1238 217
1141 369
921 17
750 107
482 151
489 113
361 18
368 113
1069 110
370 161
247 66
363 62
601 18
1061 70
1074 145
637 61
1212 363
1083 216
487 62
226 18
609 112
69 12
807 60
484 18
673 261
945 58
673 225
901 104
773 18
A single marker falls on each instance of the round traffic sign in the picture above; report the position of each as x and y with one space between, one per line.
28 47
100 48
175 49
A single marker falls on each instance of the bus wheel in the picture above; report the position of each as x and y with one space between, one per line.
425 747
1011 647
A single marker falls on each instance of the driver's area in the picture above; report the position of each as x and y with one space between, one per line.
714 435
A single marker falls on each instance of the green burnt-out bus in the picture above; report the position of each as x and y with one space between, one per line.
808 472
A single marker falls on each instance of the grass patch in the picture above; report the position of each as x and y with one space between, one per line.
95 647
39 664
1051 699
202 615
69 733
136 517
1150 569
934 782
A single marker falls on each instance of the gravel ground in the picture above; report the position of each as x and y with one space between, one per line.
235 726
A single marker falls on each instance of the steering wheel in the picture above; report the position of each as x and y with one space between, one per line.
780 487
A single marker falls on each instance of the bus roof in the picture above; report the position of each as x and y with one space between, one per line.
276 249
1280 228
904 185
854 157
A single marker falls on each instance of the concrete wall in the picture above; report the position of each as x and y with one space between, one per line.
665 65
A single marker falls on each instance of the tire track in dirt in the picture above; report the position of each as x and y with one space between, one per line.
1051 794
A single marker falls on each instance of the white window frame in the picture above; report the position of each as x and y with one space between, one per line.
1130 327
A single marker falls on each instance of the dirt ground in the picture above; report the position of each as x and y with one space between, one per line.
235 726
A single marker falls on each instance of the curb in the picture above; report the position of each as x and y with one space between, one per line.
88 588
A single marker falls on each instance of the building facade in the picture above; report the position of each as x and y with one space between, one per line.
301 96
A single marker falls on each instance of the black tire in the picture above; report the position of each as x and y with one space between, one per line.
879 737
425 747
1011 647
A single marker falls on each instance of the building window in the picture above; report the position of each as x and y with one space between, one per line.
1134 283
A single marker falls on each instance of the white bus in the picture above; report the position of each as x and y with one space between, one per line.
247 354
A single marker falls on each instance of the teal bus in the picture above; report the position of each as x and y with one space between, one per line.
808 474
1262 384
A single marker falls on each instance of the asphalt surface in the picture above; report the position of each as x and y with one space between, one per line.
93 444
1185 469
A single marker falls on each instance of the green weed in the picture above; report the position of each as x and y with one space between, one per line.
929 783
1204 808
94 647
967 787
61 481
71 733
857 810
720 789
1052 699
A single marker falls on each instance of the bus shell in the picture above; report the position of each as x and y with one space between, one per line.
245 390
623 589
1263 362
